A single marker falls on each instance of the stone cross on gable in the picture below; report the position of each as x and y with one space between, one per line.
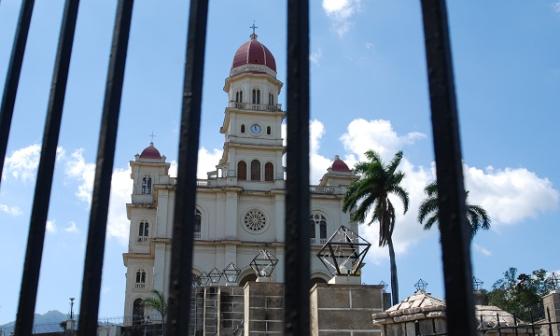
477 283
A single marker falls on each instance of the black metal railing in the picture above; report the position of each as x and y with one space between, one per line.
456 255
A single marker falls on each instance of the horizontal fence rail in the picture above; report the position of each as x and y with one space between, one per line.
454 235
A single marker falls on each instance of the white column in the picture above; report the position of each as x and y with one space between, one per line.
230 220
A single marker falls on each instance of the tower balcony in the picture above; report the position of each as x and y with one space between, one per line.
256 107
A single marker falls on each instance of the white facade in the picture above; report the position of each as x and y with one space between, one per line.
241 208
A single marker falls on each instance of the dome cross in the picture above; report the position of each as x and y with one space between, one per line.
254 35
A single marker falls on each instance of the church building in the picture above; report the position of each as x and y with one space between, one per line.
240 205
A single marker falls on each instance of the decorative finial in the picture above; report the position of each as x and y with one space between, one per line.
152 136
555 279
477 283
254 35
421 286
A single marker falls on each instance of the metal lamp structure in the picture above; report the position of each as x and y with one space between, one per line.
263 264
231 273
215 275
344 252
203 280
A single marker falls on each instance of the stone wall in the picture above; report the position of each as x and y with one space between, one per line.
264 308
551 304
345 310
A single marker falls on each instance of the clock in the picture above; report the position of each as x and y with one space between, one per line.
255 129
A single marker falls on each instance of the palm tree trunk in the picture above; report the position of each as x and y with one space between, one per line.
394 278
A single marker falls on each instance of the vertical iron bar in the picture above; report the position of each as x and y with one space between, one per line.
498 322
12 76
185 198
297 254
417 328
515 324
549 321
449 170
532 322
95 250
41 198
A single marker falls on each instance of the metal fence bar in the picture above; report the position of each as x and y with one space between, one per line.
12 77
297 254
449 171
95 250
41 198
185 199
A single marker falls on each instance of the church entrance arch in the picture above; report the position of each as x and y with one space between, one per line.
137 312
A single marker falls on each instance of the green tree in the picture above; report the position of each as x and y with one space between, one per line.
369 196
158 303
477 218
521 294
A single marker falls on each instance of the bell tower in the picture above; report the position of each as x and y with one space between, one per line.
252 125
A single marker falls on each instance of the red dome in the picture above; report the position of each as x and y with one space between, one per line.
150 152
253 52
339 165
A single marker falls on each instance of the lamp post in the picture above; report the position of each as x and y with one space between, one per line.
263 265
343 255
231 273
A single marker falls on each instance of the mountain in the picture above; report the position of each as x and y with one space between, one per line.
47 322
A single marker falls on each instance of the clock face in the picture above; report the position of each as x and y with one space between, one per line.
256 129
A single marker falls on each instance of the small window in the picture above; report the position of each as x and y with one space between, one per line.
318 219
256 96
147 185
140 276
270 99
143 231
268 130
239 97
255 170
197 224
242 128
241 171
268 172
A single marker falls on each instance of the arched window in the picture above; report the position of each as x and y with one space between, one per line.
138 312
268 172
268 130
318 222
146 185
270 99
256 96
143 231
242 128
197 224
241 171
140 276
239 97
255 170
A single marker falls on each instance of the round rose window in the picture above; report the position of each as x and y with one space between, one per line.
254 220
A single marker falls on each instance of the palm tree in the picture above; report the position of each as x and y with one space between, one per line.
370 195
477 218
158 303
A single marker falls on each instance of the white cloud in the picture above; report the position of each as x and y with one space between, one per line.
51 226
315 56
318 163
556 7
482 250
71 228
78 169
362 135
22 163
121 188
341 13
510 195
10 210
369 45
207 161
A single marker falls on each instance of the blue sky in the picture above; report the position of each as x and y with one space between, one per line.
368 90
